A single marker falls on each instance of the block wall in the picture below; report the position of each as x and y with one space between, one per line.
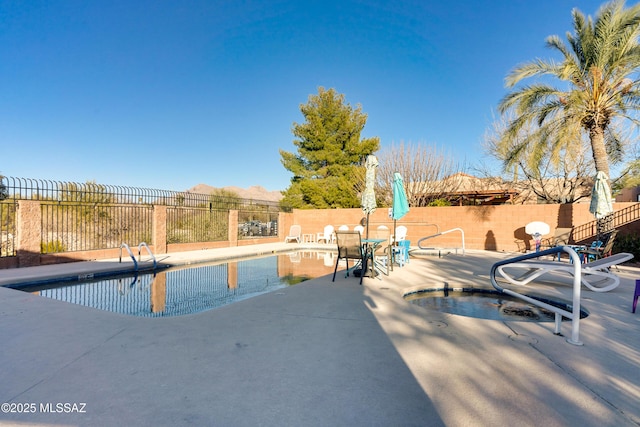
498 228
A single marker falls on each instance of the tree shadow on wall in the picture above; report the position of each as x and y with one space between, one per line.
565 216
483 212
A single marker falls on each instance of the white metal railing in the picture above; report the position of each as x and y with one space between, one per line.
574 315
440 234
144 245
140 246
125 246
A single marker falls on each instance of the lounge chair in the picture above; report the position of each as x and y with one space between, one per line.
294 234
349 247
598 268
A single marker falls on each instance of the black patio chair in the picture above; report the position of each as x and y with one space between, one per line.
350 247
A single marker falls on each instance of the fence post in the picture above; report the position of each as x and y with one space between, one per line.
159 229
29 232
233 227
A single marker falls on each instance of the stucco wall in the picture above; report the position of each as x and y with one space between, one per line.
485 227
498 228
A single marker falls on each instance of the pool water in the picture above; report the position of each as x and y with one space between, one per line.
487 304
181 291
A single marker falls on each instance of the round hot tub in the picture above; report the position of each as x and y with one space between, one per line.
487 304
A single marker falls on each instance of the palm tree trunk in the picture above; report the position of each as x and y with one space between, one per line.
601 160
600 157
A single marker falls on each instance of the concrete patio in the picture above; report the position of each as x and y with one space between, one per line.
320 354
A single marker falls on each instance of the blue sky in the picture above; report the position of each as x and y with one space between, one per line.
170 94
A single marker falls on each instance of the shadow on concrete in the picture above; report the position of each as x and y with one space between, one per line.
312 354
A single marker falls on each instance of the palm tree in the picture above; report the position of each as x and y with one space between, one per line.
599 87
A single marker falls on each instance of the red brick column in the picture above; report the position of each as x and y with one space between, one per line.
28 229
233 228
160 229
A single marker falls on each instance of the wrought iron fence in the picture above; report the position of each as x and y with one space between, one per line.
190 225
86 216
69 226
7 228
256 220
37 189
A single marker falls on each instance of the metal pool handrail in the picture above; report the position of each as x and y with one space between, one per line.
140 246
135 262
574 315
440 234
144 245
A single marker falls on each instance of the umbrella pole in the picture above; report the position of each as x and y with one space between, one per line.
395 243
367 226
394 231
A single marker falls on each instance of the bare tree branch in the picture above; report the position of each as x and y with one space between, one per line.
424 170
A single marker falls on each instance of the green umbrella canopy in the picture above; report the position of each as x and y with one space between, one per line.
400 204
369 195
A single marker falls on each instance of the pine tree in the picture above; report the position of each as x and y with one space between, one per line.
328 167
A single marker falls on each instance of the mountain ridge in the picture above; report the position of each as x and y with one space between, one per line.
255 192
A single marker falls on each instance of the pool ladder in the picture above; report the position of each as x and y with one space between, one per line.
140 246
574 315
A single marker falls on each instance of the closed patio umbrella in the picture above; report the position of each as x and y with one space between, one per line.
369 195
601 206
400 203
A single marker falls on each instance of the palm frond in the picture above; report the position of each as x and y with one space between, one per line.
531 69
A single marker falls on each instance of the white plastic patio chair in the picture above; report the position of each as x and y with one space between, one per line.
294 234
401 233
326 235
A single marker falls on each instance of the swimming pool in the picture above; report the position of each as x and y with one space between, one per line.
187 290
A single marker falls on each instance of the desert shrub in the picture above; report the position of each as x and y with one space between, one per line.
52 247
628 243
440 202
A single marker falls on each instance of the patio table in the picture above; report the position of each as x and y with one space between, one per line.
369 248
